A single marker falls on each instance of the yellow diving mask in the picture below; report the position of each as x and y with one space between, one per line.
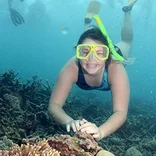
84 51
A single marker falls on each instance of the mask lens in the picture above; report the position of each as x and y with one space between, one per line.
101 51
84 51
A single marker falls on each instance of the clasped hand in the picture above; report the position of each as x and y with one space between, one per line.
84 126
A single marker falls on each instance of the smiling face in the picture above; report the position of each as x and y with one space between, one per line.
92 65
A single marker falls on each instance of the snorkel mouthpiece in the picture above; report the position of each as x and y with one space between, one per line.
110 44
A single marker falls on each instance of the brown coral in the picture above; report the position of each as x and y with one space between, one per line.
41 149
81 144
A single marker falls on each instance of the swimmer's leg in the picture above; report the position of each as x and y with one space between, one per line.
125 44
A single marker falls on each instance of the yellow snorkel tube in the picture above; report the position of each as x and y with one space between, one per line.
110 44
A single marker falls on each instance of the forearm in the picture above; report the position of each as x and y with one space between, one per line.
113 123
59 114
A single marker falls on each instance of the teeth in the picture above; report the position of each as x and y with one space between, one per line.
91 65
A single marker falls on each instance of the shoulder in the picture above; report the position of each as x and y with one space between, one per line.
70 70
117 73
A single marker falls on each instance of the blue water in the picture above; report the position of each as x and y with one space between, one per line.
46 41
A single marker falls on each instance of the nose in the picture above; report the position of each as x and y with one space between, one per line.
92 56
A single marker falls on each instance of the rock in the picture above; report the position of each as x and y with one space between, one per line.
132 151
104 153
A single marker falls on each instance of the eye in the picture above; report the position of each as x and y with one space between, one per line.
100 53
85 52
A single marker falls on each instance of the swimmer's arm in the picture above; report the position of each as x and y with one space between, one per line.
60 92
120 97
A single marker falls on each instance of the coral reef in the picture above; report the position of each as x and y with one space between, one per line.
132 151
5 143
23 114
40 149
80 144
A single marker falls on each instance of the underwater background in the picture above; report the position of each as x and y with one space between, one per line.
45 42
40 47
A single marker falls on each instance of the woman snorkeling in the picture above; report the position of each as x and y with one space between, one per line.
94 68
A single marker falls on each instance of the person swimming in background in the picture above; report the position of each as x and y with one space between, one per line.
111 3
147 7
94 68
16 17
37 11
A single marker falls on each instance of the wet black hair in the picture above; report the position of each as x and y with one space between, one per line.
95 34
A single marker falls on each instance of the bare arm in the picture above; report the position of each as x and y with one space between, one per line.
60 92
120 96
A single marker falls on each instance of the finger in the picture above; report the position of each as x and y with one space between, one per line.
89 130
84 129
81 122
77 124
96 136
73 126
87 124
68 128
84 120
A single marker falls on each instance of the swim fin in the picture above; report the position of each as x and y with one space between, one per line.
129 6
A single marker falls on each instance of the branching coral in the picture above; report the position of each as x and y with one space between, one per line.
41 149
80 144
13 100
